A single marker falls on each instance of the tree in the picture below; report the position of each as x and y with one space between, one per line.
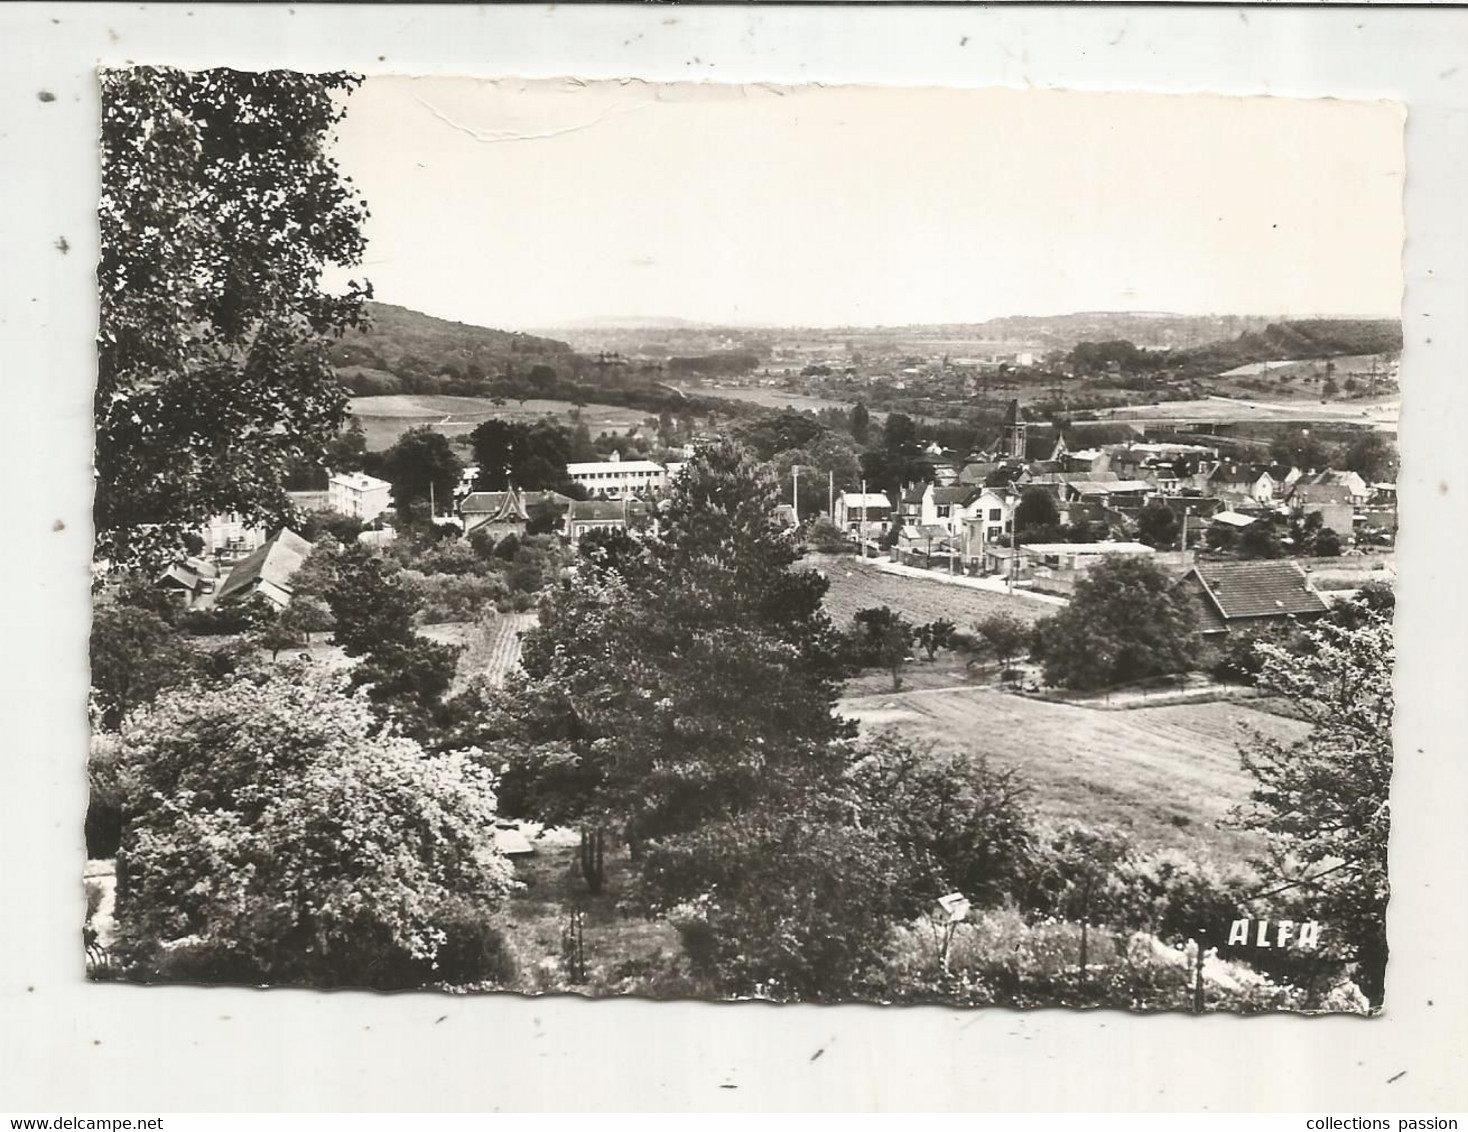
529 456
1036 508
693 680
935 635
220 211
1127 621
1158 526
898 432
861 422
406 677
1372 456
959 825
1004 635
135 655
1260 539
422 467
276 635
883 638
1323 800
273 838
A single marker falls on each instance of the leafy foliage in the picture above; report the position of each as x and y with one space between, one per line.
1323 800
1127 621
220 211
273 838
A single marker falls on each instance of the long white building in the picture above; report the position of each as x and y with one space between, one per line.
617 476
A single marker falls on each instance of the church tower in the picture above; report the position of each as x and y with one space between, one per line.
1013 439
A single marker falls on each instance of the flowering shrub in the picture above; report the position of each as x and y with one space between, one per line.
274 837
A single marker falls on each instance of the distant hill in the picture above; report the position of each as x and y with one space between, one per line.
406 351
1296 340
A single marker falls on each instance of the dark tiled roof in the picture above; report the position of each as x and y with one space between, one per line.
1015 415
1236 473
1258 589
605 510
978 471
959 493
273 562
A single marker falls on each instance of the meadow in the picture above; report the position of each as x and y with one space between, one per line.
1167 776
856 584
386 418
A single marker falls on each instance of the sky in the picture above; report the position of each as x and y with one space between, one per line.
519 204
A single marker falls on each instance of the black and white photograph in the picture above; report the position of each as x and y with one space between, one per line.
761 542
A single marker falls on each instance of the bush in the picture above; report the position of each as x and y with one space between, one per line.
273 838
786 906
450 597
824 537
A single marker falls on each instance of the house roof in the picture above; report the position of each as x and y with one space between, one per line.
359 481
1088 487
274 562
1233 472
1014 415
959 493
605 510
870 499
498 506
914 494
978 471
1258 589
1233 519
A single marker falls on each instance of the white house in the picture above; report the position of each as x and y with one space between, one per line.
358 494
617 476
949 507
989 518
227 534
866 515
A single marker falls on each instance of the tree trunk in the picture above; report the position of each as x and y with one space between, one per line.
593 858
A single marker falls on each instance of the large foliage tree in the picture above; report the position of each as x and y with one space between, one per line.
684 680
1127 621
1036 509
272 837
135 654
529 456
423 468
1323 800
220 211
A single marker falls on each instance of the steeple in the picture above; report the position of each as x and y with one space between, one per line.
1013 440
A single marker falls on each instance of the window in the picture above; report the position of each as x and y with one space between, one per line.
943 510
995 514
994 532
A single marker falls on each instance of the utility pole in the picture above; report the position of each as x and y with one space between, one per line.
861 526
831 495
795 491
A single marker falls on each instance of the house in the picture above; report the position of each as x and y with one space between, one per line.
926 545
863 514
500 513
1333 502
1076 556
617 477
988 519
191 582
267 571
586 515
229 536
1232 482
1359 492
358 494
1237 596
948 507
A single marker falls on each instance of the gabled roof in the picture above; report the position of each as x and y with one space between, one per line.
1233 472
605 510
915 494
498 506
1014 415
1258 589
958 493
978 471
870 499
274 562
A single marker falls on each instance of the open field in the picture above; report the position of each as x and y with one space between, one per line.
856 585
770 398
491 645
386 418
1223 410
1166 775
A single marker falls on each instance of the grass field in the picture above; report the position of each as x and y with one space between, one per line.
491 646
856 584
386 418
1166 775
1381 412
772 398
